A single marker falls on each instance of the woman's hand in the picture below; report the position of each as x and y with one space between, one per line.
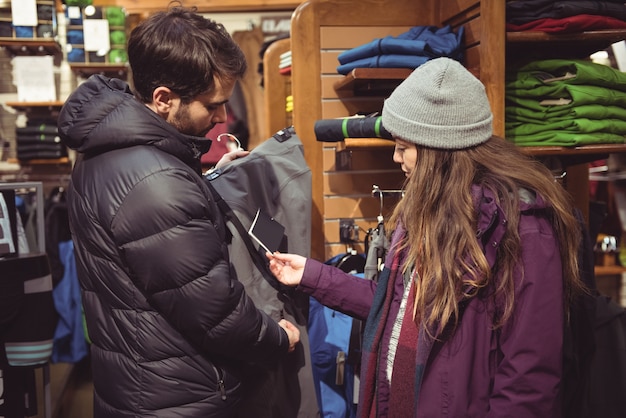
231 156
288 268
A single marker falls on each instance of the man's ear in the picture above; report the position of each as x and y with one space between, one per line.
162 100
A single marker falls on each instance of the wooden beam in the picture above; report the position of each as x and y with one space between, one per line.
203 6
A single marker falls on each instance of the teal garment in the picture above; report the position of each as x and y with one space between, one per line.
565 139
582 125
580 95
531 76
548 114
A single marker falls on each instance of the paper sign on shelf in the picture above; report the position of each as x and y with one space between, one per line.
24 12
96 33
34 78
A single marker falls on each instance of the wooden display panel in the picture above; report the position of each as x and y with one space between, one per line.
151 6
320 31
276 88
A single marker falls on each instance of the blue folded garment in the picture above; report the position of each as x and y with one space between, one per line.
383 46
76 55
75 37
24 31
384 61
425 41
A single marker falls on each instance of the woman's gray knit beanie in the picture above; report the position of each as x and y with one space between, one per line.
440 105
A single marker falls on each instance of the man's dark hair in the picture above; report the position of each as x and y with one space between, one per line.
183 51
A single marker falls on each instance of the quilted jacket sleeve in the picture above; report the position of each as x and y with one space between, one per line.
176 257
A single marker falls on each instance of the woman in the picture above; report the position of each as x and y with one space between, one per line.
467 316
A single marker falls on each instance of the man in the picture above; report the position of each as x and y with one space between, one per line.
172 328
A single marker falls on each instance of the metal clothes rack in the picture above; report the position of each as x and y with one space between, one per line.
37 188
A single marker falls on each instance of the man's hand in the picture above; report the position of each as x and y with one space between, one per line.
292 332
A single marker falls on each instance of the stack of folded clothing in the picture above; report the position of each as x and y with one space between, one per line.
284 67
78 17
39 140
564 16
46 27
565 103
407 50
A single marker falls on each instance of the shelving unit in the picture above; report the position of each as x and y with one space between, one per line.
37 189
204 6
33 110
276 88
372 81
320 33
344 172
38 106
113 70
31 46
546 45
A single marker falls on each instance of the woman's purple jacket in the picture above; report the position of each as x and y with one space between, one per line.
477 372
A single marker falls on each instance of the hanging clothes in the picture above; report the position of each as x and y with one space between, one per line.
275 178
335 348
70 342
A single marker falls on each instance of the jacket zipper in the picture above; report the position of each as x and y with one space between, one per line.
196 152
220 382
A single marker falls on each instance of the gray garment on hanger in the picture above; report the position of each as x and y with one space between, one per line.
275 178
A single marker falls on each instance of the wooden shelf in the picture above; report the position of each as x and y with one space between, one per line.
368 143
538 45
372 81
89 69
576 155
609 270
585 149
25 46
35 105
604 36
384 80
204 6
43 163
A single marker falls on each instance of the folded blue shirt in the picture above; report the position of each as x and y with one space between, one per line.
409 49
384 61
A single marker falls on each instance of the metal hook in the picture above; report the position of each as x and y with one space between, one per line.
376 189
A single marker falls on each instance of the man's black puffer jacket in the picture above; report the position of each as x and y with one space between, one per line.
171 326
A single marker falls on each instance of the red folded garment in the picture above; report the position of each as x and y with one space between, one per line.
578 23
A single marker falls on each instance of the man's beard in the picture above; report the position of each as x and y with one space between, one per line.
181 120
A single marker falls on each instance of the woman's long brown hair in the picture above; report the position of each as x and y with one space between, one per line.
440 217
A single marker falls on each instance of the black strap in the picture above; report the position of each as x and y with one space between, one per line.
257 257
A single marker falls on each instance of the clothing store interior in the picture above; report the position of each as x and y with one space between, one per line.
309 108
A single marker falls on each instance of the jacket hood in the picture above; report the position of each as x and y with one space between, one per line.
102 114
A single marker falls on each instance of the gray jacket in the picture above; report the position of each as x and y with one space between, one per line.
276 179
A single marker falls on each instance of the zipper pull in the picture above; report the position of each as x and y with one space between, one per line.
220 385
196 152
